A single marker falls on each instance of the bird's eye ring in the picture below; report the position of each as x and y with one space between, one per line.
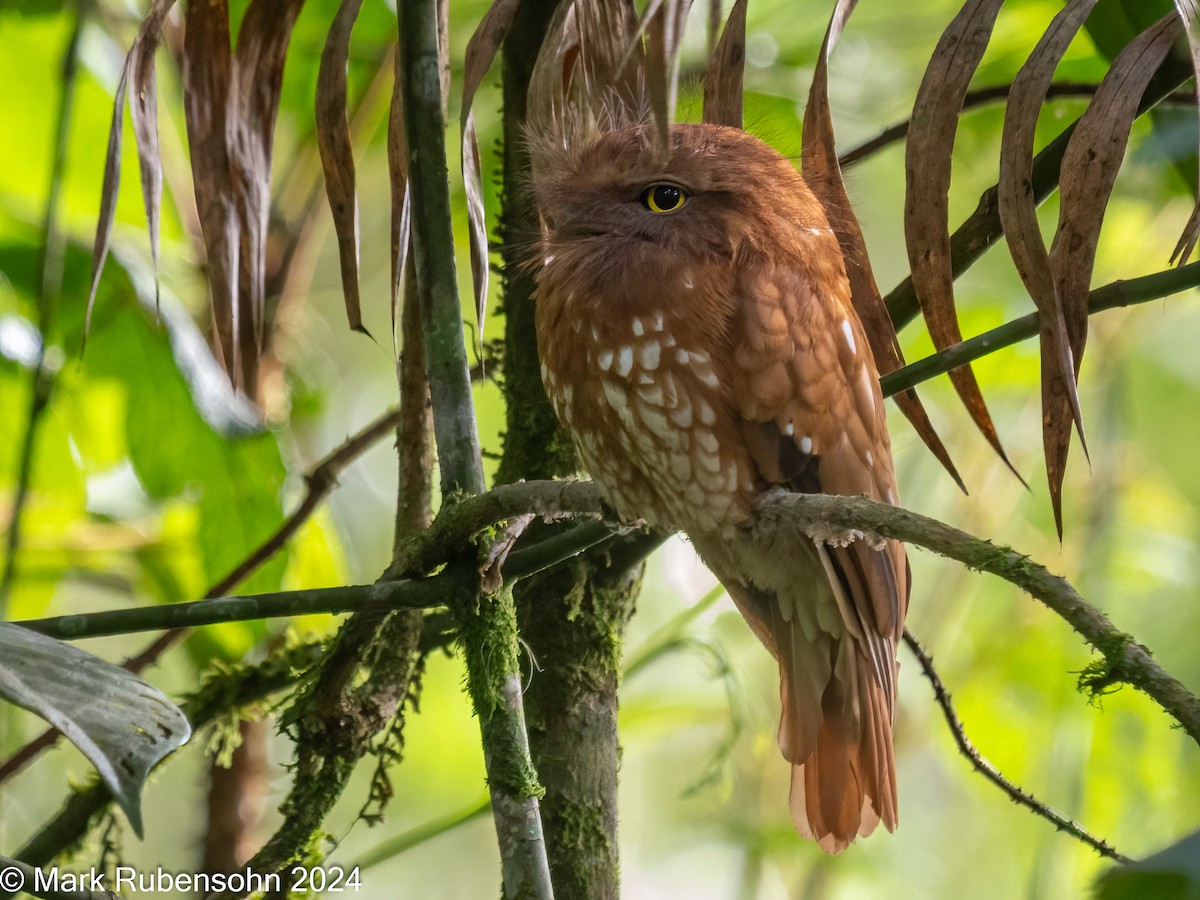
663 198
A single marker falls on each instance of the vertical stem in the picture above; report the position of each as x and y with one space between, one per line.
487 622
433 252
573 617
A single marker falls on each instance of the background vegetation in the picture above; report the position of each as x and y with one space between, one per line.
151 480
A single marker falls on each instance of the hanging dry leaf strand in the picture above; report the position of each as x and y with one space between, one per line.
144 110
823 173
207 68
481 52
397 152
231 99
1023 234
1089 170
257 79
726 71
1189 14
337 154
927 197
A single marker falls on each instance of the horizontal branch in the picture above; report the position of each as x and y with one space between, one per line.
1110 296
979 97
1125 660
445 539
820 516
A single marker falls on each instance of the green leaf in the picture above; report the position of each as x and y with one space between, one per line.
1171 874
121 724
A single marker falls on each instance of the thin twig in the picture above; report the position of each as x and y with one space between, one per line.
989 771
1110 296
981 97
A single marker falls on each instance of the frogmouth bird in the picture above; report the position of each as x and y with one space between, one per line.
698 342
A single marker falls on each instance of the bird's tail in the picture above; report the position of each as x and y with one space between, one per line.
837 693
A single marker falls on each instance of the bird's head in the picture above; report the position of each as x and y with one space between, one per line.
617 192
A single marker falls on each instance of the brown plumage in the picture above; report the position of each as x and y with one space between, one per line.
703 355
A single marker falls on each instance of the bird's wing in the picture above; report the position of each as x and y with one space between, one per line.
806 391
805 394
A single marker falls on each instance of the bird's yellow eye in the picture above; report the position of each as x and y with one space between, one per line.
663 198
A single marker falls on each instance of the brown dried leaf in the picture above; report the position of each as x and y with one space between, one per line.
257 78
1189 14
926 209
1089 170
108 195
143 107
207 76
552 73
726 68
611 58
397 151
663 22
821 170
337 155
477 219
482 49
1017 204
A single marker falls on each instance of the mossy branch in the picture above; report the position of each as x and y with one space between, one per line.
823 516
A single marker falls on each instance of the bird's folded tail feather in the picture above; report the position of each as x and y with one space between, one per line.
835 728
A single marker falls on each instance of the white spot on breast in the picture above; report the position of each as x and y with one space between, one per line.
651 351
870 459
705 412
849 335
891 496
681 356
568 394
789 429
707 440
682 416
687 280
651 393
545 373
731 477
624 360
806 444
638 328
595 334
658 321
605 358
701 368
